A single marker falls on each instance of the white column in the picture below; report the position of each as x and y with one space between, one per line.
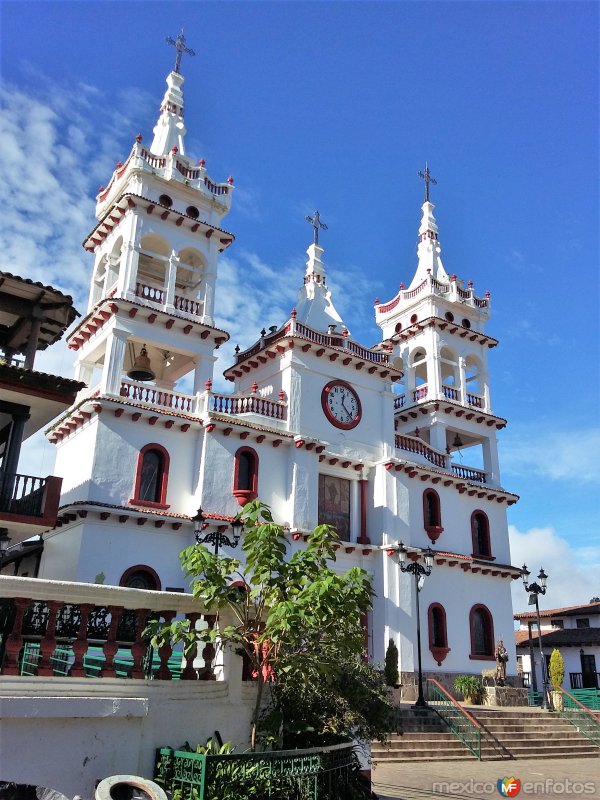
354 510
490 460
437 436
433 367
171 277
208 301
132 229
114 361
462 371
84 371
484 379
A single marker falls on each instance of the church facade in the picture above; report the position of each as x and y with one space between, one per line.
317 425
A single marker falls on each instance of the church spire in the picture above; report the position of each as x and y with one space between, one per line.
429 250
314 306
169 131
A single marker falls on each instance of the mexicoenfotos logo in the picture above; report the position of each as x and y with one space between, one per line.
509 787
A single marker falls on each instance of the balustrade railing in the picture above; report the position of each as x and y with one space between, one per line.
420 393
581 717
152 293
450 393
400 401
469 473
157 294
413 445
576 679
89 630
474 400
215 188
250 404
154 161
188 306
22 494
161 398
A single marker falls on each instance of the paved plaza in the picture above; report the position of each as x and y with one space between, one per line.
542 778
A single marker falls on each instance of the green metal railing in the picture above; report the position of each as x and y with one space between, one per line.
534 698
586 721
315 774
459 721
590 698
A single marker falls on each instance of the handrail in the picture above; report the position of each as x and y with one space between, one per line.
459 714
588 724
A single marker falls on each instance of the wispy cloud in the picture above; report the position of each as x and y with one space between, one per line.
556 455
572 571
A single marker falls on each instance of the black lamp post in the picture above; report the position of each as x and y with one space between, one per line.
535 589
420 572
215 538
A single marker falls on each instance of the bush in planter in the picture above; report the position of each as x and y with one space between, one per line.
390 672
557 669
470 687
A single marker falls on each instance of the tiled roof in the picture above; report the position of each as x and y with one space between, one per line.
569 637
36 283
141 510
38 380
565 611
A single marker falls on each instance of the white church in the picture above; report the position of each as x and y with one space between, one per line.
375 440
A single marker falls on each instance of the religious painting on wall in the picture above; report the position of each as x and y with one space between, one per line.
334 504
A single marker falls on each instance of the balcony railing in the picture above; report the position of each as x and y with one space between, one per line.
29 496
414 445
448 392
157 294
252 404
88 630
161 398
469 473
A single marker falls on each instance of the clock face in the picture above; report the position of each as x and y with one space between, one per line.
341 405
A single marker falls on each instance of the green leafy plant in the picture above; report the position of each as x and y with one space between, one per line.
296 620
470 687
392 677
557 669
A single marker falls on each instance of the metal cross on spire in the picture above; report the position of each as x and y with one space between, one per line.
179 45
315 221
426 176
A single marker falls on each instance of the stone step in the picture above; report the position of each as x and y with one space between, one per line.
468 756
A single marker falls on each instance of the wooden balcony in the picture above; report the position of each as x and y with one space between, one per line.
28 502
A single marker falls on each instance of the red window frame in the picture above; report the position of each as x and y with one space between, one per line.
141 568
433 531
163 478
245 495
475 538
438 651
490 633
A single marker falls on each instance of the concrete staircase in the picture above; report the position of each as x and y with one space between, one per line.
506 734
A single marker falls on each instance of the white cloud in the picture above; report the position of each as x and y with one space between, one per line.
543 451
572 571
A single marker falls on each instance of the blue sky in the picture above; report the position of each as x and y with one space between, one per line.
336 106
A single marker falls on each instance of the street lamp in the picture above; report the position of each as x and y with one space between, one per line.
215 538
533 590
420 572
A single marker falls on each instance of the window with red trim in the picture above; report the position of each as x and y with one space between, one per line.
432 515
482 632
245 475
140 577
438 634
151 478
480 534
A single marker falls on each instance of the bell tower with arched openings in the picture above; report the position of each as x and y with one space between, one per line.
435 329
156 244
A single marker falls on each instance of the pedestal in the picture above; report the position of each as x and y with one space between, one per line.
504 696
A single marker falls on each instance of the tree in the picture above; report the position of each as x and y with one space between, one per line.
392 678
296 620
557 669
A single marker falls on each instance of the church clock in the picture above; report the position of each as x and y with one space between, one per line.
341 405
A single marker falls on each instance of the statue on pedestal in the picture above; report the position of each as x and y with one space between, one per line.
501 656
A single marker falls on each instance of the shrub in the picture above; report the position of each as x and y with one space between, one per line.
469 686
557 669
390 672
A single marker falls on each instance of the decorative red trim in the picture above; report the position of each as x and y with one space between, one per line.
438 651
141 568
489 633
432 530
244 494
476 549
163 478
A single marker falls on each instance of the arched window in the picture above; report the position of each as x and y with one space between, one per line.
140 577
432 515
480 534
245 475
438 635
482 633
151 478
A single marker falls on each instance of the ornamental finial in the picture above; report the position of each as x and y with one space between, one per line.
179 45
315 221
426 176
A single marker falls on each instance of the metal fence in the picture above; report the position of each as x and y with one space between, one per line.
314 774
